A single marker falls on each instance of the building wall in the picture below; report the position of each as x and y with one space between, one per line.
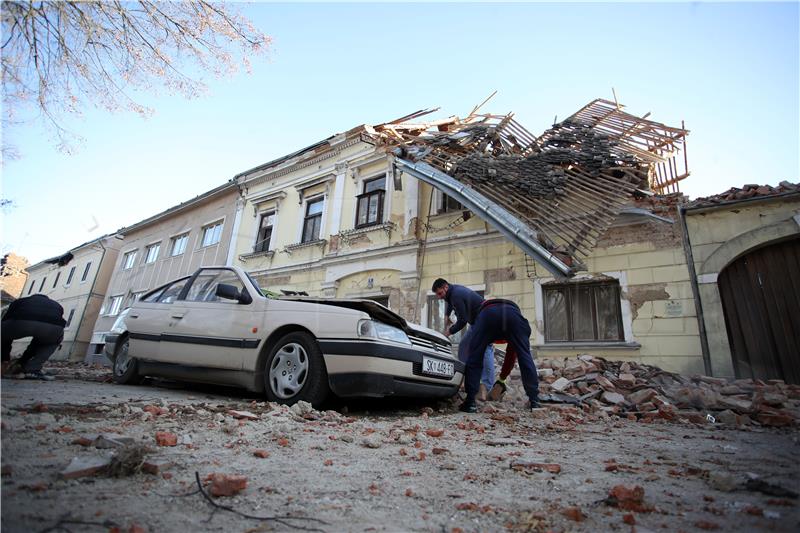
79 297
190 218
719 235
402 257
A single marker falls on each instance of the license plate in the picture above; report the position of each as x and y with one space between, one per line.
437 367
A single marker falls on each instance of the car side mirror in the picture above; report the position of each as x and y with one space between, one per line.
229 292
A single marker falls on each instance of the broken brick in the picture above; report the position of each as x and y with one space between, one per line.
227 485
526 467
263 454
574 513
434 432
165 438
629 519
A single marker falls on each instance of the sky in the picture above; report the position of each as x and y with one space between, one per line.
728 70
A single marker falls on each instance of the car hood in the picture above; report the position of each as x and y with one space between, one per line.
377 312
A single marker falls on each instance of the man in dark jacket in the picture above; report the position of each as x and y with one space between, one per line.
34 316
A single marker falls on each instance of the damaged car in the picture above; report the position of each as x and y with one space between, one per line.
218 326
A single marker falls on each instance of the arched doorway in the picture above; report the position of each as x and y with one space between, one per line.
760 294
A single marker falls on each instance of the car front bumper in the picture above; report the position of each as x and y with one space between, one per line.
375 369
110 348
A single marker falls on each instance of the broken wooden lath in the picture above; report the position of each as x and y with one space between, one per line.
568 185
662 147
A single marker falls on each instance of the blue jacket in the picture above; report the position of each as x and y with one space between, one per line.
465 302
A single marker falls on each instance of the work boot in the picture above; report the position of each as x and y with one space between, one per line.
39 376
481 393
498 391
468 407
534 404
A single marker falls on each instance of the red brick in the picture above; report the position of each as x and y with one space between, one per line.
165 438
227 485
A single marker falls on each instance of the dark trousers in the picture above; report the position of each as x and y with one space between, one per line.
46 338
496 322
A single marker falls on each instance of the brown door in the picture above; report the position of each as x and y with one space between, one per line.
761 300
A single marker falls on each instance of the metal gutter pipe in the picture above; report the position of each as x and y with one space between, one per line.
498 217
698 304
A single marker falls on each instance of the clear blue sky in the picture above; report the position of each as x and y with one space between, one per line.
729 70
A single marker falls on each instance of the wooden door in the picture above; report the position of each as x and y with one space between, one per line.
761 300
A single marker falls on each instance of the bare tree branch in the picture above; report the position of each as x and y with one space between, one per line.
58 56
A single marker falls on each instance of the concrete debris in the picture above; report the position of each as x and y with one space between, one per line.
85 466
646 393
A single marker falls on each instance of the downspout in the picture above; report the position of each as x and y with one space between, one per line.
698 304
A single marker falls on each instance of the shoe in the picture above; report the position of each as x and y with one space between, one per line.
468 407
498 390
534 404
481 397
39 376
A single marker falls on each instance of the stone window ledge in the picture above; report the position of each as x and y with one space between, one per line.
289 248
587 346
252 255
385 226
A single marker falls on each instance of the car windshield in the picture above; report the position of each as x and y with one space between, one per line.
264 292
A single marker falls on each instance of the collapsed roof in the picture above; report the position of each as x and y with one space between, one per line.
552 195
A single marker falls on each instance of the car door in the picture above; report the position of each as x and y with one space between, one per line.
205 330
146 319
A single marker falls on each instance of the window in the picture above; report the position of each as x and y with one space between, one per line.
171 292
55 281
30 289
166 293
114 305
69 277
369 209
582 312
449 204
86 271
152 253
313 220
69 318
204 287
41 285
264 232
128 260
134 297
179 244
212 233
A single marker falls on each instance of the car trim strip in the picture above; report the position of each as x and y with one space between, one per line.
385 351
205 341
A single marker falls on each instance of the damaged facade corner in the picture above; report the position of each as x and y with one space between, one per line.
579 226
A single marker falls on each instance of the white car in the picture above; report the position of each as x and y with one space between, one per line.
217 326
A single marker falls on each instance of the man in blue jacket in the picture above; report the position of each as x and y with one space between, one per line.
493 320
34 316
466 304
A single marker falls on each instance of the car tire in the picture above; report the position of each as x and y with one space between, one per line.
295 370
126 368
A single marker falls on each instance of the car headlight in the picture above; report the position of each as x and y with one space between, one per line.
119 326
379 330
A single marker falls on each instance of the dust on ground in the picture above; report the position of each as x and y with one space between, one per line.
82 454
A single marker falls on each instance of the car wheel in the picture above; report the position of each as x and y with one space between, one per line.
295 371
126 368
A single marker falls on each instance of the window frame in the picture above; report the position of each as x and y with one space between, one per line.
114 305
155 246
215 235
33 284
69 318
304 238
567 289
85 275
368 195
184 238
55 281
129 259
260 245
41 285
69 277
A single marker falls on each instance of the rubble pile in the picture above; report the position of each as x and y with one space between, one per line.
647 393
